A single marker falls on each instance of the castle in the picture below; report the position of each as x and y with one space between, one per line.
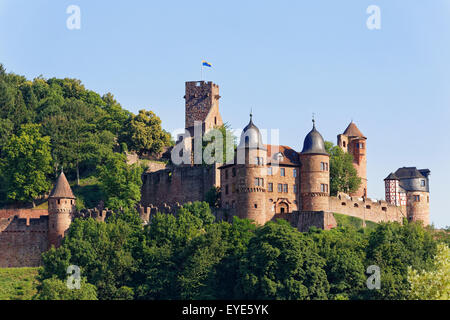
267 182
26 233
263 183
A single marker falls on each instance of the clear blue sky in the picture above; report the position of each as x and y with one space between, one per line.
286 59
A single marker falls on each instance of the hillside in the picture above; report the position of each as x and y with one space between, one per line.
18 284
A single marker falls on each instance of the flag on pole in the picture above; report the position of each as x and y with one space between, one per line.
206 64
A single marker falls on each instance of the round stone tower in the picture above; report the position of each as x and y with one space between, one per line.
314 173
61 206
251 172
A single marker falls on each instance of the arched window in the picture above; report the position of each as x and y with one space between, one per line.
356 205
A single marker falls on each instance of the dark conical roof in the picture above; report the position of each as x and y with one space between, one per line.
62 188
392 176
353 131
314 143
251 137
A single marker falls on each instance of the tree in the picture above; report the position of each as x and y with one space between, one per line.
27 164
120 182
393 247
343 175
344 252
144 133
228 143
56 289
104 253
213 196
283 264
434 284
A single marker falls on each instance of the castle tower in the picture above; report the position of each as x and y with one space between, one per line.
202 105
416 184
61 205
355 143
314 173
392 188
251 160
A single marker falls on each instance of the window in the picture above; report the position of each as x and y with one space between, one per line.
416 198
285 188
295 173
256 206
295 188
344 144
234 172
270 187
226 189
269 171
428 199
259 161
324 166
323 188
233 188
361 145
283 172
422 183
259 182
280 187
226 174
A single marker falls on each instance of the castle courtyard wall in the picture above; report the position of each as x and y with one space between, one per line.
23 237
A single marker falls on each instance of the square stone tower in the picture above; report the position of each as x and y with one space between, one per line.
202 105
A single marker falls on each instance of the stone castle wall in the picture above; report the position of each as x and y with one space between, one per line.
178 185
23 237
369 210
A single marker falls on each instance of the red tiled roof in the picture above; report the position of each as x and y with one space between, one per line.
290 156
353 131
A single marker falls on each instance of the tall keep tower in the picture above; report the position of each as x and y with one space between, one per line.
61 206
251 159
202 104
314 173
355 143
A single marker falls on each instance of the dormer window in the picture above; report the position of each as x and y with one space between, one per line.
279 156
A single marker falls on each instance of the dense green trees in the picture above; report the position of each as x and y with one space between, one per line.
343 175
191 256
84 128
26 164
120 182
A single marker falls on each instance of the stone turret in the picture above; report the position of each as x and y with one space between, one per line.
251 160
61 206
314 173
355 143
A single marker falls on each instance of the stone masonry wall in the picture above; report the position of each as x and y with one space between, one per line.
178 185
22 239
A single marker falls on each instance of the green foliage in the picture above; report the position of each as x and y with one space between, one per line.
343 175
282 263
18 284
394 248
26 164
120 182
347 221
228 143
56 289
84 127
189 256
212 197
103 251
144 133
434 284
